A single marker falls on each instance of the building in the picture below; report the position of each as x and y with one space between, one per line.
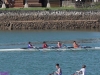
31 3
39 3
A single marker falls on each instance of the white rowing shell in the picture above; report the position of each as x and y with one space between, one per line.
47 49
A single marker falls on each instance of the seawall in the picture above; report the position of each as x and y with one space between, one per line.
49 20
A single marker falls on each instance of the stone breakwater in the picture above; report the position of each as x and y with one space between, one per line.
49 20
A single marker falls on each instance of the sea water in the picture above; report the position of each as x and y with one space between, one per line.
43 63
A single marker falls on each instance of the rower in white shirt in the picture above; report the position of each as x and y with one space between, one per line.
82 70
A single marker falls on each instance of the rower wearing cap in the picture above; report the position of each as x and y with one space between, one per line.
30 45
59 44
75 45
45 45
82 70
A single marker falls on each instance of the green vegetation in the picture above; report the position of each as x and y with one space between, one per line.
34 8
96 6
92 7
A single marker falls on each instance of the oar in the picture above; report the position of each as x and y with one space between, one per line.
76 73
52 73
84 48
24 48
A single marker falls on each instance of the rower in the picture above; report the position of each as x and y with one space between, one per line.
45 45
59 44
75 45
59 71
30 45
82 70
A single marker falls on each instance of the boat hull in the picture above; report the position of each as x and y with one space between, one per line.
50 49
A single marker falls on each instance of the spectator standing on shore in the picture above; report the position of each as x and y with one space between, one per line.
6 3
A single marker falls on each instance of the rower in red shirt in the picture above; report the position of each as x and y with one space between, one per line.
45 45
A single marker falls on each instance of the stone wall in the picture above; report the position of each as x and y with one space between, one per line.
48 20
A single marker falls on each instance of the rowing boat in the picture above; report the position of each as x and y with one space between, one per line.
52 49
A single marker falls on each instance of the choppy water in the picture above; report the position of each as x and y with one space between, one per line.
43 63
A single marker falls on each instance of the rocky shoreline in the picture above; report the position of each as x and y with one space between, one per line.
49 20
